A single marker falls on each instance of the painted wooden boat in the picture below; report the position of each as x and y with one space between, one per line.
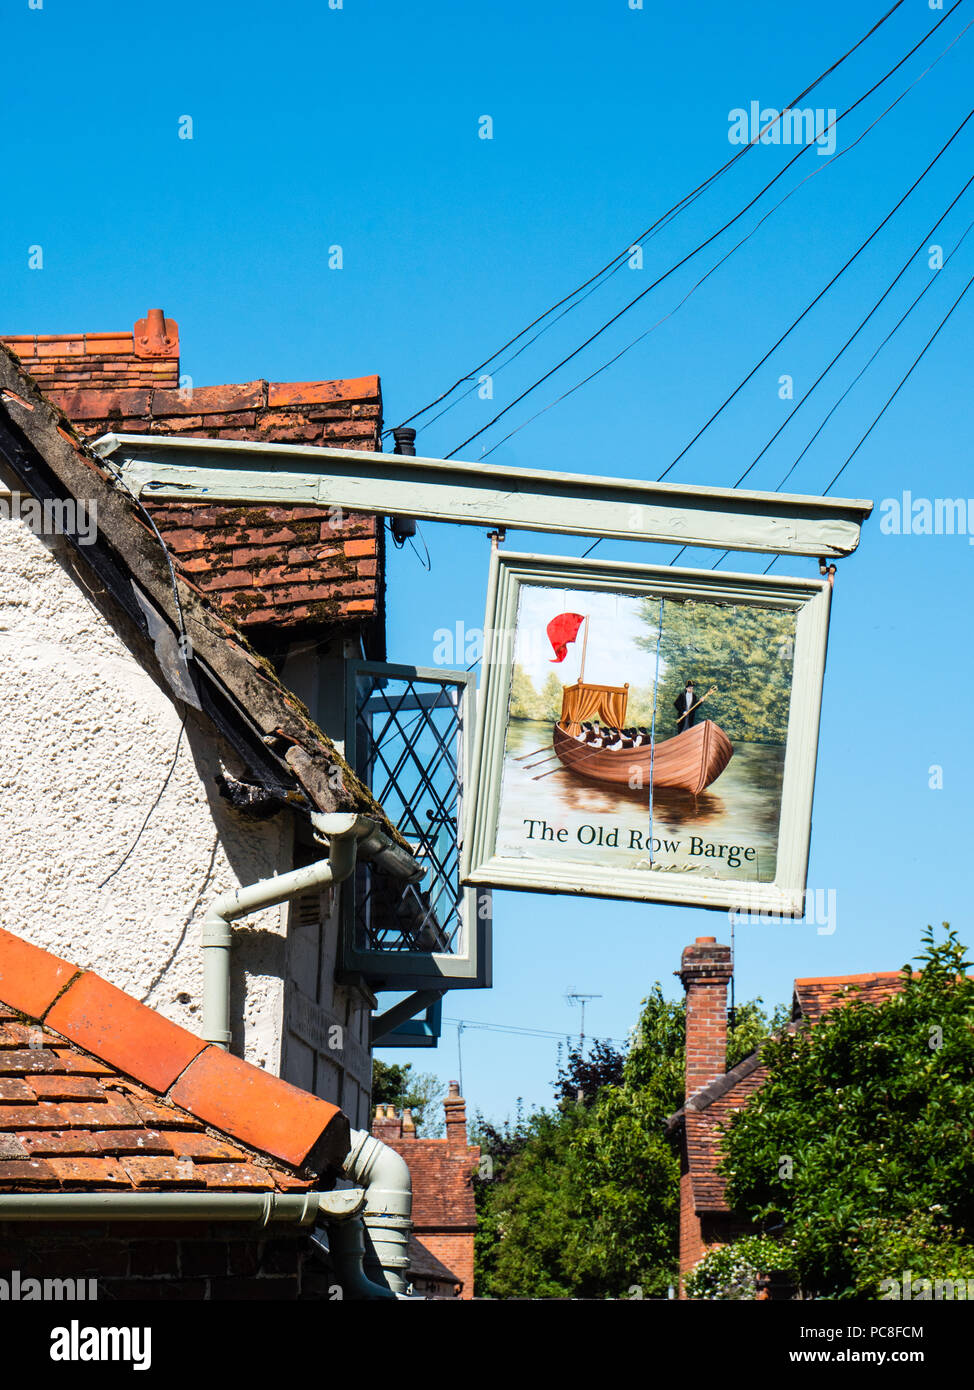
690 761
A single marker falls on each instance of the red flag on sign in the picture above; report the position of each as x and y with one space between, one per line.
561 631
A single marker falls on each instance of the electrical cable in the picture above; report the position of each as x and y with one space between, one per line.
821 295
148 814
684 202
868 363
524 1032
795 322
717 264
626 308
903 380
872 359
852 337
913 366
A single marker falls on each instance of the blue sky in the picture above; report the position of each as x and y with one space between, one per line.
358 128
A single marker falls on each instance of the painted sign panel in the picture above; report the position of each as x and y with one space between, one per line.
648 733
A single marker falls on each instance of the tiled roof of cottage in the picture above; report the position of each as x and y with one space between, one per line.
307 567
100 1093
704 1116
442 1169
443 1198
814 997
240 692
289 566
423 1264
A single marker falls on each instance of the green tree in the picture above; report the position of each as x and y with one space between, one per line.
857 1150
389 1081
583 1201
746 651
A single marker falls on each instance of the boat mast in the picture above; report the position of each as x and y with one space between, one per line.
581 673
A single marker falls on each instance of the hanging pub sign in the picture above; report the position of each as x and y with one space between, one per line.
647 733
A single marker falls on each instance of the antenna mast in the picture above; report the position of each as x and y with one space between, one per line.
573 998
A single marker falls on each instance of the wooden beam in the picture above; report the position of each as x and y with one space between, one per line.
475 494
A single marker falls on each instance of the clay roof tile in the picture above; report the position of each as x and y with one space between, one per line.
70 1122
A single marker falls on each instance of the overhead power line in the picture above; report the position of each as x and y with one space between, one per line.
902 319
626 308
821 295
845 346
855 333
859 375
913 366
722 260
526 1032
672 212
808 308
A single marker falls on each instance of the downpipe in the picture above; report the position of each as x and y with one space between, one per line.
388 1187
371 1252
348 835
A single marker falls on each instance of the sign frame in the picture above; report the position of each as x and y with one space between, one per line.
808 598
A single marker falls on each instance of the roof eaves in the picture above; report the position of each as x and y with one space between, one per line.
222 655
706 1096
233 1096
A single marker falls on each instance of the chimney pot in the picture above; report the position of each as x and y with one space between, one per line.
405 438
156 336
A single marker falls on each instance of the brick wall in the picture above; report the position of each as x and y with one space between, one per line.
444 1209
317 569
692 1246
166 1260
455 1249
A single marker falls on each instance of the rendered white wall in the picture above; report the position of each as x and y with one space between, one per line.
86 742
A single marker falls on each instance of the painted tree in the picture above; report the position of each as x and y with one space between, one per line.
526 703
551 695
746 651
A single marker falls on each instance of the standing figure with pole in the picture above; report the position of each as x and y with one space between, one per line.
686 706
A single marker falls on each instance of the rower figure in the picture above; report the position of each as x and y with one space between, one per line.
686 706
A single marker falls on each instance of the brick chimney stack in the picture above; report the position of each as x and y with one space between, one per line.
705 971
456 1119
387 1124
